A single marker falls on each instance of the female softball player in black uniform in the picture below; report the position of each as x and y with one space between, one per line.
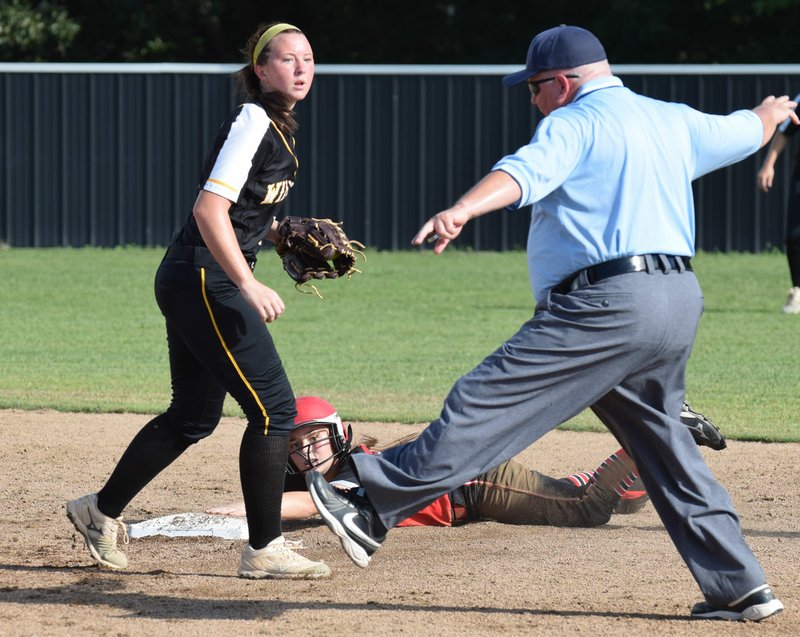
215 313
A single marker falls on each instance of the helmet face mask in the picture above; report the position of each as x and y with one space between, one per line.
316 414
300 459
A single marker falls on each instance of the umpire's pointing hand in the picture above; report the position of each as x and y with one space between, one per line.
443 228
774 110
494 192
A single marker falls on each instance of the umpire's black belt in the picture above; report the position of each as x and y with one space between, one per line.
198 255
625 265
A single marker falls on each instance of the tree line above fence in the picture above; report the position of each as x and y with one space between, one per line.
397 31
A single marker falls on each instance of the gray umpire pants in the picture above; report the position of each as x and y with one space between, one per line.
620 347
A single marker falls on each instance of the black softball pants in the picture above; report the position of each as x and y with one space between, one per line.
218 344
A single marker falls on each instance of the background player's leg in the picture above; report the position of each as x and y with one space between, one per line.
792 305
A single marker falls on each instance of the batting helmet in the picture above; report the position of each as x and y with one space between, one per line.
316 412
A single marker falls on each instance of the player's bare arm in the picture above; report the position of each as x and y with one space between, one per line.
494 192
295 505
211 212
234 509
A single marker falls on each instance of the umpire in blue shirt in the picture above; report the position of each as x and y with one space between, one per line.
608 173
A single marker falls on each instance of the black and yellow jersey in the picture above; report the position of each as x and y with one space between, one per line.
251 163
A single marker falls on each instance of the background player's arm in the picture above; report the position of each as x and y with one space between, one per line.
766 174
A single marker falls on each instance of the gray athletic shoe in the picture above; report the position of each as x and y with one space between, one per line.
351 517
755 606
99 531
277 560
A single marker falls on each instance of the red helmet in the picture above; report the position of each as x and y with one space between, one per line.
313 411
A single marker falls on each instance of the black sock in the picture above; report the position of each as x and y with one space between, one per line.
262 469
153 449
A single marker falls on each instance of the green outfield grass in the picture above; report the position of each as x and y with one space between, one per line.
80 331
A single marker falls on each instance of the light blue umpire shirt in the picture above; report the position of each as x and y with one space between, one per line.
610 175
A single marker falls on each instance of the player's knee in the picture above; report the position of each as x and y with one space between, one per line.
276 418
192 428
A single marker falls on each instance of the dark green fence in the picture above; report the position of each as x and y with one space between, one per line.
108 155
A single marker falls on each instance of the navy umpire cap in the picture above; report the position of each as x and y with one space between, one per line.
562 47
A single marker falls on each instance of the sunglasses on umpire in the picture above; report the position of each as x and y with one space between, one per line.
533 85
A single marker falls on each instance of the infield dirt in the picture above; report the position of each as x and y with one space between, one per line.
624 578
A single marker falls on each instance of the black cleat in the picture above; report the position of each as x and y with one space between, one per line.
705 432
350 516
756 606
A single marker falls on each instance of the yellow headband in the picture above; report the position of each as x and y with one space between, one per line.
267 36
